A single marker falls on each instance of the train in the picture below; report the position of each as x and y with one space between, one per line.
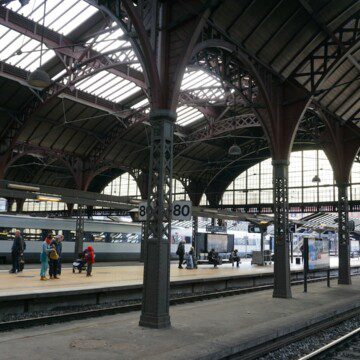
119 240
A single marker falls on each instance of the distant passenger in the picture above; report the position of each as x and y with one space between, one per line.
214 258
17 251
54 258
193 257
181 253
59 240
90 259
44 256
235 258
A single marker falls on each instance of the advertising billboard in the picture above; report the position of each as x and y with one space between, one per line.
319 253
219 242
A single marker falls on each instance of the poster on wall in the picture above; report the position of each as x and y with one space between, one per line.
319 253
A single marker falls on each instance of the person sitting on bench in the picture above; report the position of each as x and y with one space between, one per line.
214 258
234 257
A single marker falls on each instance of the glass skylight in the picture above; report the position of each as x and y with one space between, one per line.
187 115
62 16
202 85
21 51
113 39
140 104
108 86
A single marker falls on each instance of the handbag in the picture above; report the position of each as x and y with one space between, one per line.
54 255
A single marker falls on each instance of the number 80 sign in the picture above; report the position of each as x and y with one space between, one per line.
181 210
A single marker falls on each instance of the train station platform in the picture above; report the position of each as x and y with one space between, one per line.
127 275
213 329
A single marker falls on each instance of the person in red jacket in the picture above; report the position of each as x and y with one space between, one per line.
90 259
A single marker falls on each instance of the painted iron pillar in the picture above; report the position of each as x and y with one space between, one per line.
195 230
282 286
156 289
344 236
79 235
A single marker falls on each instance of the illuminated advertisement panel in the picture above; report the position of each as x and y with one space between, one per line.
219 242
319 253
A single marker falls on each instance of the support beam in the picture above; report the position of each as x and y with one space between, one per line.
282 285
344 235
79 236
341 144
156 290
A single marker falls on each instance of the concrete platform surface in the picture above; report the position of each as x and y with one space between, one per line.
203 330
110 276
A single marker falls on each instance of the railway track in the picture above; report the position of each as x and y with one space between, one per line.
345 347
118 309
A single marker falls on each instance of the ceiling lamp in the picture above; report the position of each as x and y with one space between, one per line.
316 179
39 78
234 150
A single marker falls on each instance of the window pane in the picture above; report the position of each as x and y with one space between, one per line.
326 193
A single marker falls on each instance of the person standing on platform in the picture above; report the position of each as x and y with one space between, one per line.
54 259
193 256
181 253
90 260
59 239
17 250
45 250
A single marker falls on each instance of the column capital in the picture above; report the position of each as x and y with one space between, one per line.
280 162
162 113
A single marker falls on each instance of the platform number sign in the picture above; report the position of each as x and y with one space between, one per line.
142 211
181 210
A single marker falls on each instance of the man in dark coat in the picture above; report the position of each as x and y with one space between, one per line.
17 250
181 253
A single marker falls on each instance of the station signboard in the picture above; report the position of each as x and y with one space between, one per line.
181 210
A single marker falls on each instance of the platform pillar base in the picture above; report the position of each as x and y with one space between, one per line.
155 322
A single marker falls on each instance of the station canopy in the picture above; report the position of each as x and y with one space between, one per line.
100 106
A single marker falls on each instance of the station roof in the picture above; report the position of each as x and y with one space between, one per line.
286 37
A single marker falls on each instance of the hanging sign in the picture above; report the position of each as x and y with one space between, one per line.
181 210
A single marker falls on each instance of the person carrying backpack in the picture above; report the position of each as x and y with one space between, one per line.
54 261
181 253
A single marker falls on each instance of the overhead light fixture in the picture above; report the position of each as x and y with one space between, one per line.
316 179
23 187
234 150
39 79
48 198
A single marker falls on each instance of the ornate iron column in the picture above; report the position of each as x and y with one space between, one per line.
143 237
79 236
156 289
282 288
195 229
344 236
